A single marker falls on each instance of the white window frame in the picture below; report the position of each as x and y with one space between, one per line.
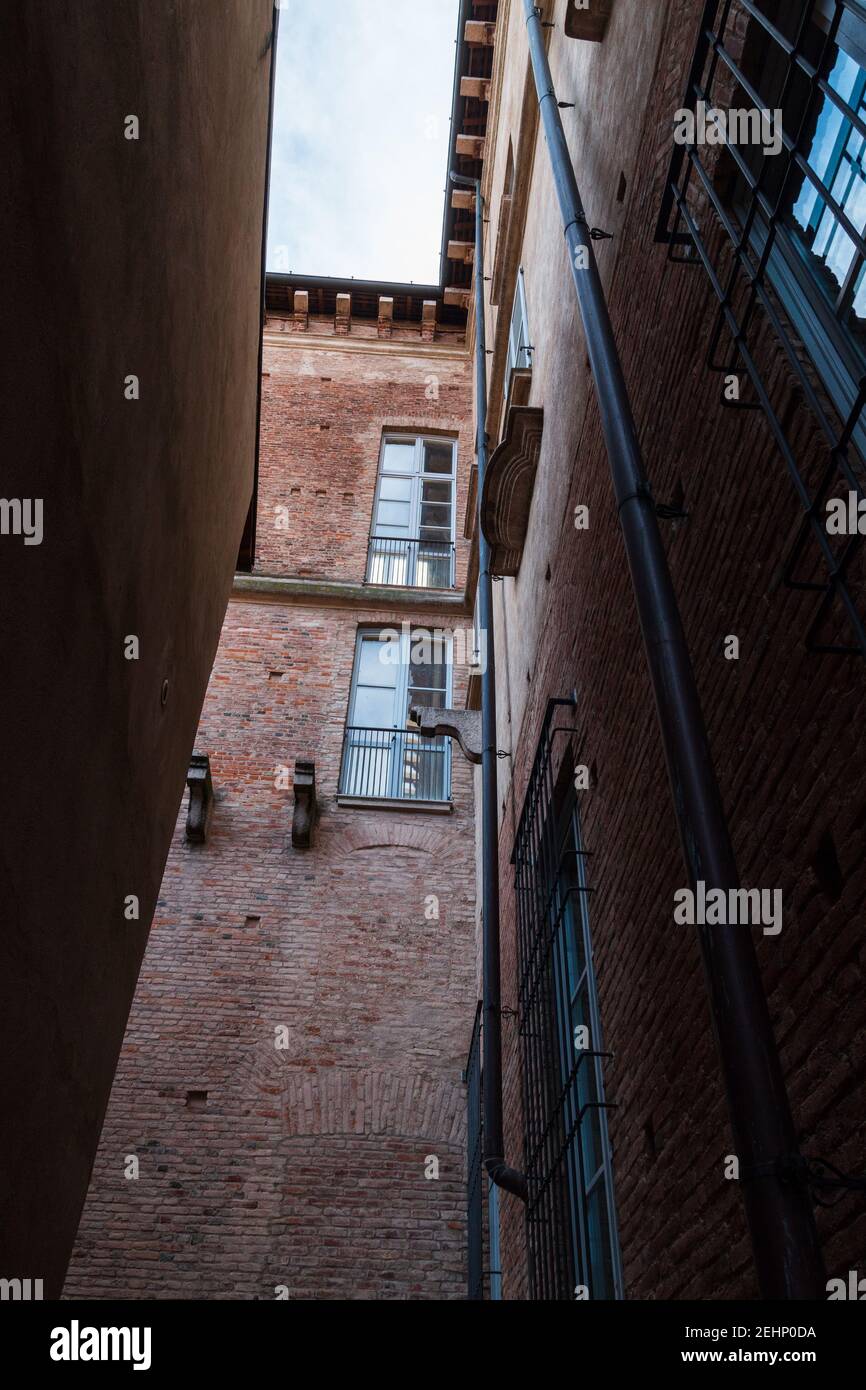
389 774
519 352
384 564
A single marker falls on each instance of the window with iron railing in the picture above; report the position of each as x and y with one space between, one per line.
412 541
571 1217
777 219
395 670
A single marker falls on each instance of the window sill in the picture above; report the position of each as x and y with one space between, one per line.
385 803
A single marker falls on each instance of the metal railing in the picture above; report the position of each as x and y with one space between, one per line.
410 562
395 764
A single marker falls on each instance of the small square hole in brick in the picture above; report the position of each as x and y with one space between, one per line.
196 1100
252 921
275 675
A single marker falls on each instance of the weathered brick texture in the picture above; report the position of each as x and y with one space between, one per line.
303 1168
783 724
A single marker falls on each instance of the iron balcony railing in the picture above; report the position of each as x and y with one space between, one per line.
395 764
410 562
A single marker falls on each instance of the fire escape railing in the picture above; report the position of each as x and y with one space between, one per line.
737 251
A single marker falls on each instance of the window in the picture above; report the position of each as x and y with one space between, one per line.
811 221
571 1219
382 759
519 347
412 542
778 220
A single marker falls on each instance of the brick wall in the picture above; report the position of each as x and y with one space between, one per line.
302 1168
783 723
326 400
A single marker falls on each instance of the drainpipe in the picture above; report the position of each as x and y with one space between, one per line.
491 1033
778 1207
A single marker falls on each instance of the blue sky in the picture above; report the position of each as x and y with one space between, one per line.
361 126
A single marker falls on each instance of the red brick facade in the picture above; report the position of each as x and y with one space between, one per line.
303 1169
302 1173
783 726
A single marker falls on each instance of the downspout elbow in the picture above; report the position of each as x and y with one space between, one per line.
509 1179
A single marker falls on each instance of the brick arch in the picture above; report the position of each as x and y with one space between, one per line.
385 836
344 1100
349 1100
354 1100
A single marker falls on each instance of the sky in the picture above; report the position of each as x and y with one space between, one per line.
360 142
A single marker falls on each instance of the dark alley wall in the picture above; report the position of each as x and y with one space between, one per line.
122 257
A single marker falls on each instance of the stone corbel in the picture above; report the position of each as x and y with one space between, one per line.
508 488
198 779
305 803
463 725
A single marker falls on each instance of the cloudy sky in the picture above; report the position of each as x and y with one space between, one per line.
361 123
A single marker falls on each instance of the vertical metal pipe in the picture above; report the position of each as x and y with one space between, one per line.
494 1142
778 1208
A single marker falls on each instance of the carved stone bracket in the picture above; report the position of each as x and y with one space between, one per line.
463 725
304 815
508 487
198 779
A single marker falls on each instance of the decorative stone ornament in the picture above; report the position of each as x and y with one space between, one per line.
305 803
198 779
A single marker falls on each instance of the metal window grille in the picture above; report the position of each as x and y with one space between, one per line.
781 238
571 1223
474 1170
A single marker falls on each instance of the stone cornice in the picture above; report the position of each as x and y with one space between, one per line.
335 593
392 347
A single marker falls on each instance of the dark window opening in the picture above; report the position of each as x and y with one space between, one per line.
246 553
827 868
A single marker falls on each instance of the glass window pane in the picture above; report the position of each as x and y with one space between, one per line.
435 514
435 698
395 490
432 490
598 1233
376 662
374 709
857 313
438 457
394 514
398 457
